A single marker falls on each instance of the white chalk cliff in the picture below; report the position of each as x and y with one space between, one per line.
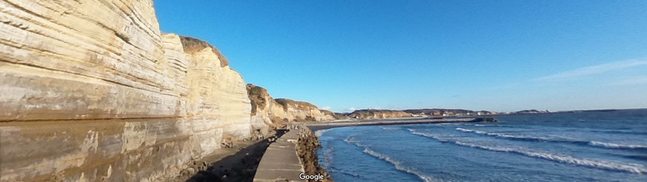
267 111
92 91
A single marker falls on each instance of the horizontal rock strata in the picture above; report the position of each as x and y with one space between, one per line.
93 91
378 114
267 111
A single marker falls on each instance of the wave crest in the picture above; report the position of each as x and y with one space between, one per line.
318 133
563 140
600 164
616 145
503 135
398 165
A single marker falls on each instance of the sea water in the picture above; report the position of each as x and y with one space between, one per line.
585 146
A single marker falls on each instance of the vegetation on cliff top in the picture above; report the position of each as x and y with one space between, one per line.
297 104
192 45
257 97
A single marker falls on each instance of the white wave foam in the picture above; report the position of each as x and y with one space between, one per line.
428 135
389 128
616 145
503 135
601 164
318 133
398 165
591 143
350 139
327 154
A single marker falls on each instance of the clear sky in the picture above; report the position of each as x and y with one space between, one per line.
502 55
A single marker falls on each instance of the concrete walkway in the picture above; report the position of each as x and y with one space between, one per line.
280 161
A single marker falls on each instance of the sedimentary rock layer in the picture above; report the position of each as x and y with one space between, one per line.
267 111
91 91
378 114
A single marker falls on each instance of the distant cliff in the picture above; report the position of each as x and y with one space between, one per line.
531 111
447 112
383 114
267 111
377 114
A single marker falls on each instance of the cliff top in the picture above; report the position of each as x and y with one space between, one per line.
300 104
192 45
257 96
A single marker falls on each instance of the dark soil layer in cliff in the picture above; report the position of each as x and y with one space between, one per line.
238 163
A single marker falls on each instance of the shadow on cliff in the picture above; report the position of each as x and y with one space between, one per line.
240 166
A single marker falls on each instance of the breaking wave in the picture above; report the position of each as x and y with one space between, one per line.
428 135
398 165
593 163
389 128
328 157
318 133
600 164
561 140
616 145
503 135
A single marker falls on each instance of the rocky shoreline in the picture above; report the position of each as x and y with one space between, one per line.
307 146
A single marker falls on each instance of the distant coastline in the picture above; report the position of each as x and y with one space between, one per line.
371 114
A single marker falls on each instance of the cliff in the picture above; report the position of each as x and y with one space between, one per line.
447 112
93 91
267 111
384 114
377 114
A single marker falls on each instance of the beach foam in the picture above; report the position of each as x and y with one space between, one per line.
328 157
389 128
616 145
503 135
399 166
318 133
428 135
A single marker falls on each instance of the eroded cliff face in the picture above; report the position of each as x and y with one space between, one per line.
92 91
267 111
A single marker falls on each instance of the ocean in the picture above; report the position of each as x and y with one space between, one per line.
584 146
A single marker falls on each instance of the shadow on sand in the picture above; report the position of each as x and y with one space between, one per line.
240 166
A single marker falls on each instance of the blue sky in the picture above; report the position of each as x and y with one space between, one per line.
503 55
